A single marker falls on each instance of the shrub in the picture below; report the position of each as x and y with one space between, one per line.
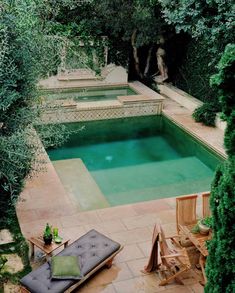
221 247
220 263
206 114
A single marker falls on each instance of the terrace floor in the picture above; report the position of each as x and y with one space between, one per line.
44 200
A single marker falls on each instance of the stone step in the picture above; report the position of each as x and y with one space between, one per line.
80 185
153 180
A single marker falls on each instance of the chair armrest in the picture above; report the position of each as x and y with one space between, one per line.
172 255
174 236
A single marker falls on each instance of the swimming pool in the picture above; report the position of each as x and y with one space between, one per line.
91 94
138 159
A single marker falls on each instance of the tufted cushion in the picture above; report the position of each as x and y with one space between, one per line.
92 249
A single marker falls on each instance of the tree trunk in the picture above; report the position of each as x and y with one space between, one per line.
135 54
148 62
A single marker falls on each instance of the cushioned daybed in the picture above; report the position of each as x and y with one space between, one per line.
94 250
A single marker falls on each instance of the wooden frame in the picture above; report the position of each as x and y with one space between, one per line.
186 210
199 241
206 212
180 255
107 262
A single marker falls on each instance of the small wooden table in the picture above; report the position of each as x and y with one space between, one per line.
199 241
48 249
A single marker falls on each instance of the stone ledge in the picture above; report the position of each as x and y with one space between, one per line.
136 99
181 97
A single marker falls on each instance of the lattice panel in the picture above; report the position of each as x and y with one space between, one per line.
90 114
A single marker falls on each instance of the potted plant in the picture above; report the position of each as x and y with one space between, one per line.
205 225
47 235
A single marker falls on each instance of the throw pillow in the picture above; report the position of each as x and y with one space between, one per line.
65 267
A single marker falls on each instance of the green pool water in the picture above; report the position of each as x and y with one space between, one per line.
138 159
92 94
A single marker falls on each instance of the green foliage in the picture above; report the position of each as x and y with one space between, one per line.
208 221
61 133
212 20
195 229
224 82
221 247
116 19
23 59
18 76
48 231
211 24
229 137
8 220
3 260
206 114
222 202
194 73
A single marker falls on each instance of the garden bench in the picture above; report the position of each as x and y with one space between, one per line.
94 251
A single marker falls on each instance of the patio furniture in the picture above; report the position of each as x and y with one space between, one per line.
199 241
167 257
94 250
186 210
206 212
174 258
48 249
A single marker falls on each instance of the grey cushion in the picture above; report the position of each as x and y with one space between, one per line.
92 249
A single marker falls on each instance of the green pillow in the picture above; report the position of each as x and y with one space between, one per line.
65 267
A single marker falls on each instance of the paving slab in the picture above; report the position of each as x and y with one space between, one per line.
14 263
5 237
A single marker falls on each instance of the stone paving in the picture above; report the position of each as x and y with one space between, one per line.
44 200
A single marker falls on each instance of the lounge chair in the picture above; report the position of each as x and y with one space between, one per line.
94 251
167 257
174 258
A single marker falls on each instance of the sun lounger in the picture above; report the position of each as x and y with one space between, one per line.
94 251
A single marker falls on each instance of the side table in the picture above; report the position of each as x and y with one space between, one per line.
47 249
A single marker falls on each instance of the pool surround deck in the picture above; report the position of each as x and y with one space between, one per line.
44 199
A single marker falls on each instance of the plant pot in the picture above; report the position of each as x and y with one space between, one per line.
47 240
204 230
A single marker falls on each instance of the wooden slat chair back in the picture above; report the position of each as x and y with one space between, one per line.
174 258
186 210
206 212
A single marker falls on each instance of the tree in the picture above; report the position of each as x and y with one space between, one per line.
211 25
212 20
25 56
220 263
129 25
18 77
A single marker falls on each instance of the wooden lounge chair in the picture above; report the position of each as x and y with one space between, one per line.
186 211
94 251
206 212
174 259
167 257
